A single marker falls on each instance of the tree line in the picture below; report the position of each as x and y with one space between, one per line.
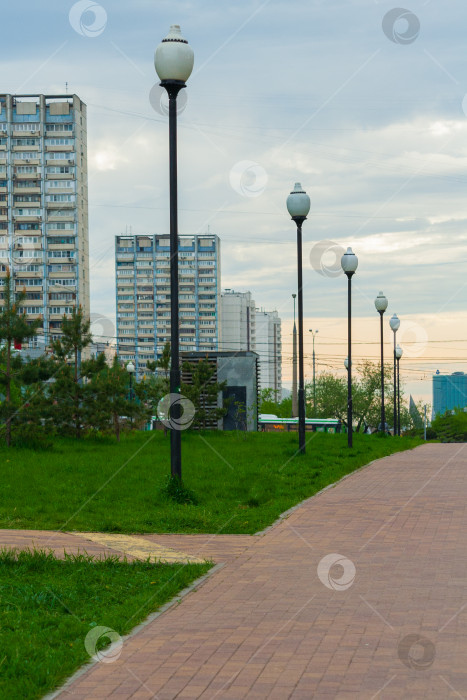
59 393
329 399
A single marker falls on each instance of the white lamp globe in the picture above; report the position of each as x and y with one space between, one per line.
174 57
394 322
349 262
381 303
399 352
130 367
346 363
298 202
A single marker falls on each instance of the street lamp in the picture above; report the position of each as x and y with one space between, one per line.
395 323
173 61
398 357
294 364
349 263
381 304
130 368
346 363
298 206
313 333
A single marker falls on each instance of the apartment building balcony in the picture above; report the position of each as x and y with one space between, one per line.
25 176
60 205
59 147
3 190
125 256
24 134
60 134
28 287
25 148
35 204
60 246
3 217
32 189
60 176
50 160
53 217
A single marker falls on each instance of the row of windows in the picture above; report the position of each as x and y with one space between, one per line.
59 142
32 125
61 309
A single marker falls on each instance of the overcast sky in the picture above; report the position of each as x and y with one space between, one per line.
362 105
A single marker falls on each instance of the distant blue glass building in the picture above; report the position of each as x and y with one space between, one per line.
449 391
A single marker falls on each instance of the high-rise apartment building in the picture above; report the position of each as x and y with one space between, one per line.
269 348
237 320
244 327
44 204
142 268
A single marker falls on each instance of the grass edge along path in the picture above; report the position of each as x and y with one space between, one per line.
242 482
51 606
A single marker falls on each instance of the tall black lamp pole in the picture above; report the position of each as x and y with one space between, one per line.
298 205
173 61
381 304
398 357
394 322
349 262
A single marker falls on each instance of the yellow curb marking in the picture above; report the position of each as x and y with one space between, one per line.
140 548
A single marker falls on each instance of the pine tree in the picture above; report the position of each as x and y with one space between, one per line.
69 390
203 391
14 326
109 399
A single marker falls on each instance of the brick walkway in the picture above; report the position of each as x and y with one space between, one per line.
281 621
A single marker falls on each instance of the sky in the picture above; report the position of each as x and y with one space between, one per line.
362 102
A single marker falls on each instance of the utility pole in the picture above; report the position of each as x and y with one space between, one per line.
313 333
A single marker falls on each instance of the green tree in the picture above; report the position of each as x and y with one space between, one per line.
331 395
108 399
203 391
69 390
14 326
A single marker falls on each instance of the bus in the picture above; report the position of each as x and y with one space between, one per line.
268 423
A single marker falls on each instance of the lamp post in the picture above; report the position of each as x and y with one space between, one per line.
298 206
313 333
349 263
173 61
395 323
398 357
294 364
130 368
381 304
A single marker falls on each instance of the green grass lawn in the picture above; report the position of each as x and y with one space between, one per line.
242 481
48 607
